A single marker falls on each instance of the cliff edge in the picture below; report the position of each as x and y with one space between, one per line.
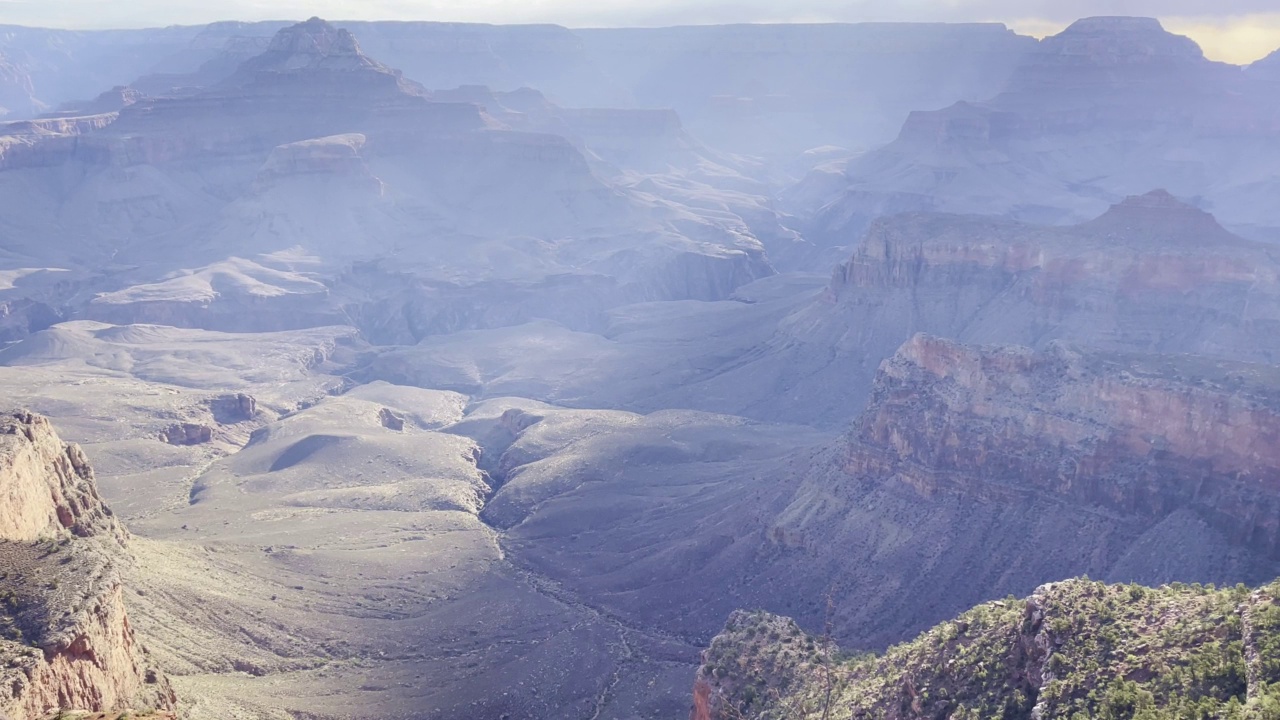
1072 649
65 638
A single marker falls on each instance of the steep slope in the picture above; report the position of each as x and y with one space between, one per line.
68 643
1150 274
1268 68
315 158
983 471
1071 649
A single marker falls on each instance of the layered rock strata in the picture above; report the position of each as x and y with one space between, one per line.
65 635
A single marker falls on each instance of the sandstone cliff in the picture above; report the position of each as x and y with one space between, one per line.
1139 436
991 470
1072 649
1151 274
67 642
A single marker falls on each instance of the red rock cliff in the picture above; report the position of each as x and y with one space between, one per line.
65 637
1137 436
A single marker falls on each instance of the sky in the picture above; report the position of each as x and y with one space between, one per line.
1230 30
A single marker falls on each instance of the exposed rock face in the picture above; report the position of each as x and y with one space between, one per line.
391 420
68 642
1071 648
311 45
1150 274
20 318
234 408
1142 438
990 471
187 434
17 94
48 142
338 155
47 485
1117 53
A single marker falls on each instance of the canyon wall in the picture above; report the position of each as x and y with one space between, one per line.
1136 436
65 636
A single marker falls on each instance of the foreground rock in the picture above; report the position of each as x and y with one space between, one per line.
68 643
1072 649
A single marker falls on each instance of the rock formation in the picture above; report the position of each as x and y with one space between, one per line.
1138 436
1075 648
68 643
1150 274
48 485
1112 94
187 434
229 409
331 167
992 470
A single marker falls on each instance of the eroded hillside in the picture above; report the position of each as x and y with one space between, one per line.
1072 649
67 640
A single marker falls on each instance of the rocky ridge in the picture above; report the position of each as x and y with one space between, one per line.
67 641
1072 649
1151 274
1092 115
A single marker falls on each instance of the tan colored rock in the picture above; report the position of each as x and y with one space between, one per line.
46 486
187 434
1135 435
65 638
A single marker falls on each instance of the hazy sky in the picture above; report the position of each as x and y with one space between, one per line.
1233 30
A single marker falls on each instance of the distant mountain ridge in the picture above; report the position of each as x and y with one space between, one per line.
1109 107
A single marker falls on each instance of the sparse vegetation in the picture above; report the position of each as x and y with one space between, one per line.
1079 649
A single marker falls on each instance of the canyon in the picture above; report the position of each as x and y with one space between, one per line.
445 371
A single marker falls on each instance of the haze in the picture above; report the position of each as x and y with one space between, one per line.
1239 31
643 363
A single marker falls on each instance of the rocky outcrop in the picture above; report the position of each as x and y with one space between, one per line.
336 156
47 485
1151 274
51 141
391 419
1139 437
187 434
756 658
67 641
229 409
1075 648
20 318
311 45
110 101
